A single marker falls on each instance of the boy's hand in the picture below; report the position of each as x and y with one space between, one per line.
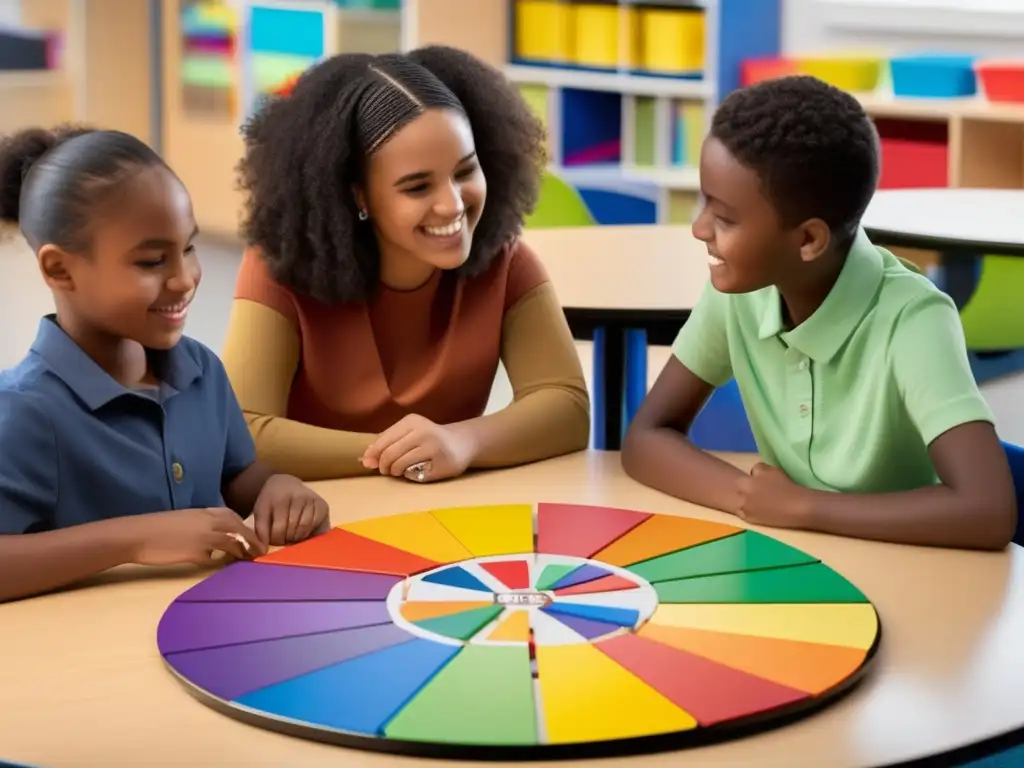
769 497
287 511
190 536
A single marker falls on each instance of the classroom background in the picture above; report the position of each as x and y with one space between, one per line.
626 89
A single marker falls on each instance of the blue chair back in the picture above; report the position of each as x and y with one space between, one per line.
1015 456
722 424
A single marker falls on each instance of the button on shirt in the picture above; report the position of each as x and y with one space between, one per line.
76 446
851 398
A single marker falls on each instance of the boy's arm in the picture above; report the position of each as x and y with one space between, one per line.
974 504
656 451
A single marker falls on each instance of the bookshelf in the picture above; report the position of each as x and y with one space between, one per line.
220 58
627 89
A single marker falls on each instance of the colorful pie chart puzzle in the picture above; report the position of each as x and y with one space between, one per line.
419 534
748 551
195 626
552 574
602 585
662 535
514 574
588 628
513 627
386 681
497 530
457 576
623 617
232 671
522 632
256 582
580 529
484 694
712 693
461 626
581 575
345 551
813 583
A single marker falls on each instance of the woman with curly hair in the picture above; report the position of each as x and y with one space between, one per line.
384 279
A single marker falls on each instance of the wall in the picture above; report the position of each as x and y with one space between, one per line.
987 27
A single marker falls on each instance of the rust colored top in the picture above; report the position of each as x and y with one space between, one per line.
340 374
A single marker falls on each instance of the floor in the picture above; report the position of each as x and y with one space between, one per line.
24 298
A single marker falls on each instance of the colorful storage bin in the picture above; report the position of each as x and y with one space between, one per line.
1002 81
850 73
672 41
756 70
605 36
543 30
936 76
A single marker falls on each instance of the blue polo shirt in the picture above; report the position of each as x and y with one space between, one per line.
76 446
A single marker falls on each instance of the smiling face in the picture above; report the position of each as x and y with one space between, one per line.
748 247
141 271
424 194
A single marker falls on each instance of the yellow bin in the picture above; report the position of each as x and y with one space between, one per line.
672 41
855 74
605 36
544 30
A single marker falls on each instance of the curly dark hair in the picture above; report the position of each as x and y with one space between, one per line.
812 145
305 151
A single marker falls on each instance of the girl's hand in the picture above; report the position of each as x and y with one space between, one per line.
190 536
443 451
287 511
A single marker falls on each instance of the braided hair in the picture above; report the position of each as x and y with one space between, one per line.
306 150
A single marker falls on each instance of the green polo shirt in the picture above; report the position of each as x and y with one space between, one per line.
850 399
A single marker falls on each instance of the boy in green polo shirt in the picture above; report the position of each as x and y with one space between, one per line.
852 367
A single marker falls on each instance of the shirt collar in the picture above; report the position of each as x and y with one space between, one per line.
91 383
823 334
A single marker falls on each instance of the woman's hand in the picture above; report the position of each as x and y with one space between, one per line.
413 442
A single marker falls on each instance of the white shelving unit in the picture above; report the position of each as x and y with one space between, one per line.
733 30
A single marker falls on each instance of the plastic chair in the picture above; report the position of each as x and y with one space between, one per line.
559 205
1015 457
722 423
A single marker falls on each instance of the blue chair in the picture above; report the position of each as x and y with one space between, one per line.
1015 455
722 424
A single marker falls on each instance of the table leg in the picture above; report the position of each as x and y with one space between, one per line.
609 386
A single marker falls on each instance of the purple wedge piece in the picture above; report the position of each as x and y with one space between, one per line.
265 582
193 626
581 575
588 628
236 670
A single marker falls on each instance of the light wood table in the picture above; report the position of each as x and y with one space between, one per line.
82 683
623 287
972 221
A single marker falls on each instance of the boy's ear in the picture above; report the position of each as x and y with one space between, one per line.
816 236
54 263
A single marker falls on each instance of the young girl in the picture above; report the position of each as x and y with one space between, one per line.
120 439
385 280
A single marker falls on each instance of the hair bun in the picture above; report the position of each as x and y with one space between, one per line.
18 152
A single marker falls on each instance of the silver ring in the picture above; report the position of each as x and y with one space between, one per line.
418 472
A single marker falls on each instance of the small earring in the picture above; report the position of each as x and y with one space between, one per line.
363 215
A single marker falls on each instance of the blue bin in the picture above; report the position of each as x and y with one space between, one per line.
937 76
